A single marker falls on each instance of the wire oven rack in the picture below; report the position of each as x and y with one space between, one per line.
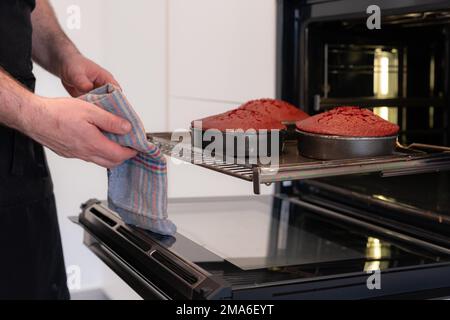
412 159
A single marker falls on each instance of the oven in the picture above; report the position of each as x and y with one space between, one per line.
329 57
372 228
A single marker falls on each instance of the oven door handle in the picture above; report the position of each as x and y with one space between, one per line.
138 282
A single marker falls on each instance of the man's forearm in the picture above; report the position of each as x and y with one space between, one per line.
51 46
16 103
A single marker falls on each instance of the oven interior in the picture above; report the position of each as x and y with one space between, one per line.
401 70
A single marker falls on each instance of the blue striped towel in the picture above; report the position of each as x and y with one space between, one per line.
137 189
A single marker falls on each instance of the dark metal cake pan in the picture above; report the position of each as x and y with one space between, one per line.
328 147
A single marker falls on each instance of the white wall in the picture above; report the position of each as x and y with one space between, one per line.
177 60
222 49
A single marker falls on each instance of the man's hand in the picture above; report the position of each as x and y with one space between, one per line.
70 127
80 75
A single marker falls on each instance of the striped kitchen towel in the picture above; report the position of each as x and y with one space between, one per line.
137 189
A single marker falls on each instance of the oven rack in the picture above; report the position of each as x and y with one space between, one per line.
413 159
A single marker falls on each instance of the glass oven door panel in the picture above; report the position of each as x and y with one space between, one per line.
264 239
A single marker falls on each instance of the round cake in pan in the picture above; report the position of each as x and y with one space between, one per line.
349 122
275 116
239 119
344 133
239 128
276 109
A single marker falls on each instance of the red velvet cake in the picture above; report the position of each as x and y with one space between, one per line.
239 119
348 121
275 109
255 114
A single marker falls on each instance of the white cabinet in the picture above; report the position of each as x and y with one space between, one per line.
135 50
222 49
183 111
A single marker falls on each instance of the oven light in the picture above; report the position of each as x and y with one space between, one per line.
384 76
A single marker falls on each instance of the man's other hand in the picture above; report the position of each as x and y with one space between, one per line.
72 128
80 75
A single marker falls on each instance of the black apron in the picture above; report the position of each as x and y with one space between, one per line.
31 263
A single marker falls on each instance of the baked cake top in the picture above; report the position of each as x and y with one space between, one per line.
348 121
